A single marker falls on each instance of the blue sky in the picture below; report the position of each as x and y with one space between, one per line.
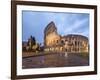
34 23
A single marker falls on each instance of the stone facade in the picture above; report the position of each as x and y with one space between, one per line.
51 37
68 43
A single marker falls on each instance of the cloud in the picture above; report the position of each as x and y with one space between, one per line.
66 23
77 24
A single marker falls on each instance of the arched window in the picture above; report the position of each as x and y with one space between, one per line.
57 41
75 43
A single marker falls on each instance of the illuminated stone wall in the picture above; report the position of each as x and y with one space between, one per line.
52 39
75 43
68 43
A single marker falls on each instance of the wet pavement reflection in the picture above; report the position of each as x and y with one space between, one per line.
54 60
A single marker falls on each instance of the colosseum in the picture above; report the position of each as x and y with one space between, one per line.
70 43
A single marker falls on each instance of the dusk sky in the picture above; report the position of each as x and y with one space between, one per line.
34 24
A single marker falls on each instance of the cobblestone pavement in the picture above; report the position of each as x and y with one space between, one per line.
54 60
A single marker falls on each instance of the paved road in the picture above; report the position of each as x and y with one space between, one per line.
54 60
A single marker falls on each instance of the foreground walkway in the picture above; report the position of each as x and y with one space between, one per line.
54 60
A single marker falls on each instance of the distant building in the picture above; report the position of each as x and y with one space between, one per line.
24 45
69 43
30 45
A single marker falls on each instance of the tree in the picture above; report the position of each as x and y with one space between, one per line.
31 42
